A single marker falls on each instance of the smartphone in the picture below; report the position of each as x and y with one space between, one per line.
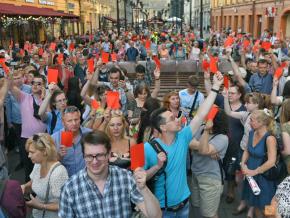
27 196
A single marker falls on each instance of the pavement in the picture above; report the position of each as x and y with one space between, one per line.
225 210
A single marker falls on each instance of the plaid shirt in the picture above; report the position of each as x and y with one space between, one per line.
80 196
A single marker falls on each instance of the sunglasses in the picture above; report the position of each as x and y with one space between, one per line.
36 138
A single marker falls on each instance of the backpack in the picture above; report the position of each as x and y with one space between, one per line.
12 202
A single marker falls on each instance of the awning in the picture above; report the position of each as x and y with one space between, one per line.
10 9
110 19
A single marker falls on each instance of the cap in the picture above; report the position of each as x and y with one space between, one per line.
193 80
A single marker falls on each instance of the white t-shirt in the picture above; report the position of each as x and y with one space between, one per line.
186 101
194 54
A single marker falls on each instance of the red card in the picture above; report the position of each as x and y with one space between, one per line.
6 69
91 67
94 104
26 46
240 36
22 52
91 37
52 46
66 138
213 64
52 76
114 57
157 61
147 44
205 65
113 101
2 61
137 155
283 64
71 47
229 42
246 43
278 73
226 82
60 58
212 113
105 57
266 45
40 51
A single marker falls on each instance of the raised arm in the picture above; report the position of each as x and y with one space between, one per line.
227 107
16 92
236 72
207 104
156 89
44 105
274 98
3 91
207 82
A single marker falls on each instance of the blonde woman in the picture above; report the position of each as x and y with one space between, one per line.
116 130
47 177
261 142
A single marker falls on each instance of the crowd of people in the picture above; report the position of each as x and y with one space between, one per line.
75 133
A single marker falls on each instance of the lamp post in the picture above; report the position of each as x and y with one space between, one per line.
125 13
118 17
201 19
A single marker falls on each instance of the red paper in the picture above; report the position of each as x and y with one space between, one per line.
213 65
212 113
40 51
66 138
91 67
71 47
283 64
94 104
105 57
278 73
147 44
113 101
60 58
229 42
157 61
52 46
246 43
205 65
114 57
22 52
52 76
266 45
226 82
137 156
2 61
26 46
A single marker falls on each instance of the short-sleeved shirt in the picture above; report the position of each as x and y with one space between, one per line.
203 165
73 160
58 125
259 83
80 197
176 181
30 125
39 185
186 101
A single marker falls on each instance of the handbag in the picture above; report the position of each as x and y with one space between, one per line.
279 170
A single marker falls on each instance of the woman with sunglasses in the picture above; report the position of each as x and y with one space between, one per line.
116 130
56 100
42 192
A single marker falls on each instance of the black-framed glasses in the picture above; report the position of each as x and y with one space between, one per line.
99 157
70 109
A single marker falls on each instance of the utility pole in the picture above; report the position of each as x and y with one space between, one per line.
118 17
201 19
125 12
190 13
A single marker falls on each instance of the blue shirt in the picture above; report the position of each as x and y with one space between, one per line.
58 125
176 181
13 113
259 83
74 159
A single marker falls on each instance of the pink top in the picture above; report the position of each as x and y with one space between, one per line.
30 125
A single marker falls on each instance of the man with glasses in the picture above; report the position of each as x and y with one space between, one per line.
71 157
57 101
102 190
171 187
31 122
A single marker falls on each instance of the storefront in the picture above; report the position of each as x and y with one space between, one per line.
21 23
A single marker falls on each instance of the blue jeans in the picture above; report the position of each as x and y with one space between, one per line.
183 213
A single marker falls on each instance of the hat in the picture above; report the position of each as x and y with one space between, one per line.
193 80
242 71
2 51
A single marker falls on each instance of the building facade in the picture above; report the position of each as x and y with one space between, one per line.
196 14
252 16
